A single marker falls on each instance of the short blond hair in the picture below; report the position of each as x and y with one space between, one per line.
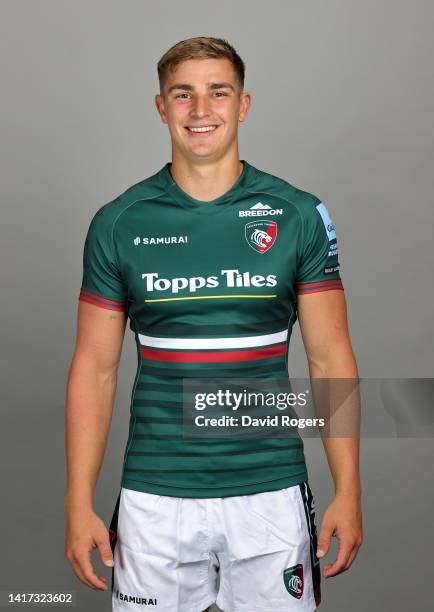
200 47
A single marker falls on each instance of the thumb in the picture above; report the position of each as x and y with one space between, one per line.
105 553
324 540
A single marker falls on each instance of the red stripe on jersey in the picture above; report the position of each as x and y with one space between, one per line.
102 299
84 298
213 356
317 290
316 284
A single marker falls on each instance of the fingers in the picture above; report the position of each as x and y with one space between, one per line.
105 551
82 566
357 542
351 558
324 539
348 549
340 562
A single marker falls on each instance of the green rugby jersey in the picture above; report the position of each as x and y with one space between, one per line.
210 290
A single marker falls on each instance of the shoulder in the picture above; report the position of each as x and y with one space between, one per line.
303 201
108 214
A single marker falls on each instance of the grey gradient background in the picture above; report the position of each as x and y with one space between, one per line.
342 107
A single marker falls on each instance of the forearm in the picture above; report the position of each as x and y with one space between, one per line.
343 412
343 459
335 390
89 407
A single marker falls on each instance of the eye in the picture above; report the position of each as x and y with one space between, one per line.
182 95
220 93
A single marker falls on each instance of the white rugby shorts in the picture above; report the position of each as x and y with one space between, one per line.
248 553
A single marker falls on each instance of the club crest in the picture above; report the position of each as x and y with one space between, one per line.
261 235
293 579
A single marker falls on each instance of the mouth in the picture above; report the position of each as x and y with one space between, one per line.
203 131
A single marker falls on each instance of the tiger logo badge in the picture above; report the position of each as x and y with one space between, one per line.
293 580
261 235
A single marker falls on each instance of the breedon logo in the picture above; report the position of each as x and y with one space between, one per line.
260 210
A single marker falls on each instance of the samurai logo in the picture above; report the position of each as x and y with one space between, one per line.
293 579
261 235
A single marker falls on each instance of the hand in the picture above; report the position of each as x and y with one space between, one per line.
86 531
342 519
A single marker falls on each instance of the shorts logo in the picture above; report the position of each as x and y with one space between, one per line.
261 235
293 579
135 599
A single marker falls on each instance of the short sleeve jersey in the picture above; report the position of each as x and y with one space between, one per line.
210 290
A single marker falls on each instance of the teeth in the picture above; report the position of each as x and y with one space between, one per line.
207 128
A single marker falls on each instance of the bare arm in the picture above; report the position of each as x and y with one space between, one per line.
324 327
89 405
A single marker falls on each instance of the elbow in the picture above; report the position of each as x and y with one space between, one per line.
337 363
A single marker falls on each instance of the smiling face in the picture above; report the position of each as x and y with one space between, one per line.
202 102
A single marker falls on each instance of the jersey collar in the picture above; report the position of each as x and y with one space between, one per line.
202 206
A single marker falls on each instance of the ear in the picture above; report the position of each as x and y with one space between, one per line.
159 103
245 104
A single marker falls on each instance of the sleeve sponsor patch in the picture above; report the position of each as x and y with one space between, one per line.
331 263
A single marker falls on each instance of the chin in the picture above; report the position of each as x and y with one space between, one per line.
203 151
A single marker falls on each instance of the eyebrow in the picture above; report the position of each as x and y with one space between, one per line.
188 87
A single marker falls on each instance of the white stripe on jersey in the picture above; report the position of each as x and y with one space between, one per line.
214 343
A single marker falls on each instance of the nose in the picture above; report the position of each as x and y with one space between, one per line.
201 106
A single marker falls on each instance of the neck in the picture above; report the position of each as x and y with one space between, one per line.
206 181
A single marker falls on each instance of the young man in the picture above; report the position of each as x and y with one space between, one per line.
212 261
